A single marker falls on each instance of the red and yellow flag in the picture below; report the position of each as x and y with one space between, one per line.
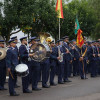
59 9
80 40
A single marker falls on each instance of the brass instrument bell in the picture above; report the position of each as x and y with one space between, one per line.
2 53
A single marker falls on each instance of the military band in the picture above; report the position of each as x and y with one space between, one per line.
65 60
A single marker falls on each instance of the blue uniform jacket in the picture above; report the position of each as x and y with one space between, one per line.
11 58
23 53
96 52
76 53
67 56
17 50
53 57
90 52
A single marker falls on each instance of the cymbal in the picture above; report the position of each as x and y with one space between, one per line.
2 53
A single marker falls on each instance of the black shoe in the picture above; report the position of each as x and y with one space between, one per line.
82 78
53 84
67 81
60 82
40 81
27 91
86 78
14 94
1 88
16 86
92 76
46 86
36 89
74 75
71 77
4 89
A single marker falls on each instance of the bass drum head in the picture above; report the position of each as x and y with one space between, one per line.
22 70
39 52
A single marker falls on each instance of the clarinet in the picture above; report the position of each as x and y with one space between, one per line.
75 47
68 50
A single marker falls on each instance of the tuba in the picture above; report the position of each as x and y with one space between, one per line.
41 51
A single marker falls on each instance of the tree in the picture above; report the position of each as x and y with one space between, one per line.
16 15
85 15
29 16
95 6
45 17
34 16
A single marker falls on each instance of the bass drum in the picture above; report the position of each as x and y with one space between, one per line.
22 70
40 52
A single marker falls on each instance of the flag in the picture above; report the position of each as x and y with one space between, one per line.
80 40
77 26
59 9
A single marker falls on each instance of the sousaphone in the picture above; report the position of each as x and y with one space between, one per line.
41 51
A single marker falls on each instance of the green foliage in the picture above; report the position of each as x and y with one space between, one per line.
85 15
34 16
16 14
45 17
95 6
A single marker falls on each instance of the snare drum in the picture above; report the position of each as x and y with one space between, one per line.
22 70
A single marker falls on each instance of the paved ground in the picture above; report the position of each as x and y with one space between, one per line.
77 90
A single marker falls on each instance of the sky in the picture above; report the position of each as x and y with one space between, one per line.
19 35
2 0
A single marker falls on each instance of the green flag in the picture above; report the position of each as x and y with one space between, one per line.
77 26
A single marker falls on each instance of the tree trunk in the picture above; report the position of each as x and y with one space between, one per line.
7 38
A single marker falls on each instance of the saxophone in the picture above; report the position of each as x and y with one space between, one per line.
60 55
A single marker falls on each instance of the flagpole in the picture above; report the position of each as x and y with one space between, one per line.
59 10
59 28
